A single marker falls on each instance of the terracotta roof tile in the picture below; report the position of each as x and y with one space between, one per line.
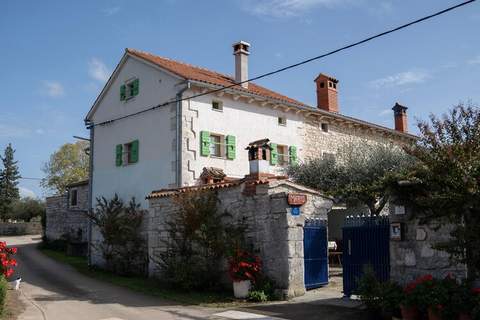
191 72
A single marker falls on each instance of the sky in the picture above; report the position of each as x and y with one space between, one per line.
56 56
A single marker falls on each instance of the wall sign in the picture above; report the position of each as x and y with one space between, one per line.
295 211
399 210
297 199
396 232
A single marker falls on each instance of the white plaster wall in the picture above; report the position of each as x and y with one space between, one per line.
155 131
246 121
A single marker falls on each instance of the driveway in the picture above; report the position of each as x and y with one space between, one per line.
54 291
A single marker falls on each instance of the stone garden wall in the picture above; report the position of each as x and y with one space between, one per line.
275 235
64 219
414 256
34 226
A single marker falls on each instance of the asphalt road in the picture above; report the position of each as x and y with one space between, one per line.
53 291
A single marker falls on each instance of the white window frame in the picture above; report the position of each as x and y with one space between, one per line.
220 105
221 144
283 159
126 153
129 88
282 121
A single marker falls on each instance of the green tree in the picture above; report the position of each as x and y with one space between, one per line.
9 176
445 185
360 174
67 165
27 208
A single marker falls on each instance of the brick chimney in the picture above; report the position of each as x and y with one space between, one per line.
400 116
327 93
241 50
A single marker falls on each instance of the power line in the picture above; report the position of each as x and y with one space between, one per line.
27 178
409 24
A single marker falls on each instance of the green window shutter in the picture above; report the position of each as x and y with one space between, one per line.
231 147
123 94
134 152
205 143
118 155
135 89
273 154
293 155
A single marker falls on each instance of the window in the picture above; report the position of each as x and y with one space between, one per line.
283 155
129 89
127 153
329 84
324 127
217 105
334 85
216 145
282 121
330 156
73 197
322 84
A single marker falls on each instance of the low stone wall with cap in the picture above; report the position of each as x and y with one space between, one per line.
274 233
414 256
32 227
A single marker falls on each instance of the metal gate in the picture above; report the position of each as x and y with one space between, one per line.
315 249
366 242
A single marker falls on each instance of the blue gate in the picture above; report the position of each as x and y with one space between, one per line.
366 242
315 249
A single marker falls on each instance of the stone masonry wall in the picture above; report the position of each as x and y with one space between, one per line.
275 235
34 226
317 141
63 219
414 255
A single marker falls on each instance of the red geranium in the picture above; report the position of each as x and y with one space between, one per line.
244 266
6 260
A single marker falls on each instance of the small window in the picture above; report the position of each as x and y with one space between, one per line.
73 197
217 106
334 85
282 121
283 156
329 84
130 152
330 156
324 127
322 84
131 89
217 145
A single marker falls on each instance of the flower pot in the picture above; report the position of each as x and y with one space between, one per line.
434 314
464 316
241 289
409 313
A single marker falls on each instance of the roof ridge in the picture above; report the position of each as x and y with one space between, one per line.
231 77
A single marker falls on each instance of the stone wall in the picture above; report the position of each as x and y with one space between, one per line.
275 235
63 219
34 226
318 141
414 256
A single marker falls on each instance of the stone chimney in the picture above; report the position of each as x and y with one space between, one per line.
327 93
400 116
241 50
259 159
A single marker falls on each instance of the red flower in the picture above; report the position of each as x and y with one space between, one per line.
476 290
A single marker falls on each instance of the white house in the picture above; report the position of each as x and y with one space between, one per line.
157 125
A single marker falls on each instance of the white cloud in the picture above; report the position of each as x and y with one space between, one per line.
98 70
111 11
26 193
385 112
289 8
53 89
475 60
401 79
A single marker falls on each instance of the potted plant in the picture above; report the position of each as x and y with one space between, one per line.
368 291
391 295
244 267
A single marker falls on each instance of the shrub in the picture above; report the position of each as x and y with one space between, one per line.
27 208
369 290
3 293
257 296
266 286
199 238
123 247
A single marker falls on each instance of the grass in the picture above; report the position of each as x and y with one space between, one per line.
145 285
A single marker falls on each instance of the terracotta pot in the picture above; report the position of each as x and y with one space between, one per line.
464 316
410 313
434 314
241 289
